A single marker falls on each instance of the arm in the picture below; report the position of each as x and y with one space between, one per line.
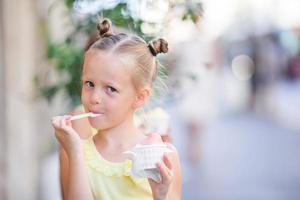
74 181
64 168
82 127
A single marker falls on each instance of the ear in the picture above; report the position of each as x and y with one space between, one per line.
141 97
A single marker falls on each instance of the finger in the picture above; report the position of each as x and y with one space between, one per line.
68 120
167 161
166 174
56 122
53 119
64 122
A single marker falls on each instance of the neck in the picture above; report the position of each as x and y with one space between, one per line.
124 135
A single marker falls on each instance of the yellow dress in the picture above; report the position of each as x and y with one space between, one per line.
111 180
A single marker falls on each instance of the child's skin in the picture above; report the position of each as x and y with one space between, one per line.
108 89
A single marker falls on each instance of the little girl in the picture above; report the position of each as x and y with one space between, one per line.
117 77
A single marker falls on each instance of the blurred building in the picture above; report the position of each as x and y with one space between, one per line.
19 52
25 130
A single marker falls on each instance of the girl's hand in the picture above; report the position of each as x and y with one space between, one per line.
160 190
66 135
169 168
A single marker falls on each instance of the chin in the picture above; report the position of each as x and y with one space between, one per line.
97 124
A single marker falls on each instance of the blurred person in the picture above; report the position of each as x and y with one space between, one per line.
194 78
269 60
117 76
293 68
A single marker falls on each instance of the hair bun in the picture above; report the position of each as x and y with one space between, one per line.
105 28
158 46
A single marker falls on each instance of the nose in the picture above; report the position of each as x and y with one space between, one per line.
96 97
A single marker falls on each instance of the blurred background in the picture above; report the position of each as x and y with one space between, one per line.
233 76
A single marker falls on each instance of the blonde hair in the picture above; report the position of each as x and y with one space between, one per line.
145 66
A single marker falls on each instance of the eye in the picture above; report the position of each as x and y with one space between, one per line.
111 89
89 84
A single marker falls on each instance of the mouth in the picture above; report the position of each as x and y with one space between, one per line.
97 112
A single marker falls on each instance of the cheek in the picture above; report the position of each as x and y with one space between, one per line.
84 98
120 106
127 101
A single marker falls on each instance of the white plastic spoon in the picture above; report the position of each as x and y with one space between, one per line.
84 115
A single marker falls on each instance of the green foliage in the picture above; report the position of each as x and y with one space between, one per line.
193 12
67 60
69 4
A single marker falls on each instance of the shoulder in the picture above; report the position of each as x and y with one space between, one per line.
82 126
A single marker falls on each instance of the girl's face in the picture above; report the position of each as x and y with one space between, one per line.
107 89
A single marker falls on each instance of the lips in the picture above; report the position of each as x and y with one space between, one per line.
97 112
